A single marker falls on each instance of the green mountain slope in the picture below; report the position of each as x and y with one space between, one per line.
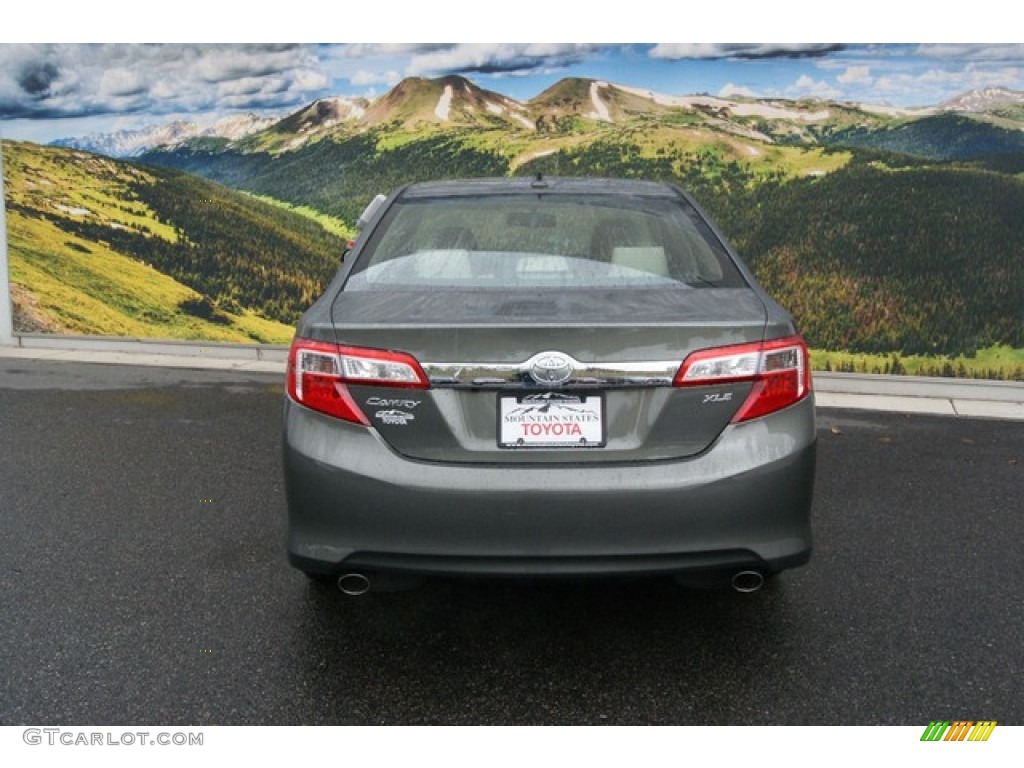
941 137
105 247
918 260
340 176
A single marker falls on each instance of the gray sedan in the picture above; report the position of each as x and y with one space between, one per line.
546 377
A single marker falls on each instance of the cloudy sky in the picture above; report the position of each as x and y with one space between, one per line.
49 91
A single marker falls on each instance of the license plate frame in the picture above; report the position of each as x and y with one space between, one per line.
551 420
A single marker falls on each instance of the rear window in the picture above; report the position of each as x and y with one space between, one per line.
542 241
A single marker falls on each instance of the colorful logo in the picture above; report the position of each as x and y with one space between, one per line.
959 730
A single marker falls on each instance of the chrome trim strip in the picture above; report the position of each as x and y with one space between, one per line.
658 373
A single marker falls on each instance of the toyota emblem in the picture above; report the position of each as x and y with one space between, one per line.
551 368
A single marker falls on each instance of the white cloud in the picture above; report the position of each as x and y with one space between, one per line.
376 50
855 76
309 80
121 82
50 81
934 85
686 51
729 89
979 52
249 86
162 90
386 64
740 50
494 58
365 77
807 87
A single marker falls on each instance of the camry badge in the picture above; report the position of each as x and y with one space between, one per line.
550 368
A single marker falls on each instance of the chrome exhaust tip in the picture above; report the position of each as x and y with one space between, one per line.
747 581
354 584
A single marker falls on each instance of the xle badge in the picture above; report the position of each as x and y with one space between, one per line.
718 397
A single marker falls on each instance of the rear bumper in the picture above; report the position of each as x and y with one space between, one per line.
355 504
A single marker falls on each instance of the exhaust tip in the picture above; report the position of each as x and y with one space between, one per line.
747 581
354 584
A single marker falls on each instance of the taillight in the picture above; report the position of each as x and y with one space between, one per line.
319 372
777 368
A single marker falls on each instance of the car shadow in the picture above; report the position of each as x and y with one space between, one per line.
541 651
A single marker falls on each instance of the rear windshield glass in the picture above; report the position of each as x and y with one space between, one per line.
542 241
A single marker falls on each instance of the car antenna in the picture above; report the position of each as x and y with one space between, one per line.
539 182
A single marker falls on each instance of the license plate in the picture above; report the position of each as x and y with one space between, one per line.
551 420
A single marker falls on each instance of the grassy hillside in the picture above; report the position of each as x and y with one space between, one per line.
995 362
99 246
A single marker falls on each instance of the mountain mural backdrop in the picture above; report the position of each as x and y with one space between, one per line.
895 236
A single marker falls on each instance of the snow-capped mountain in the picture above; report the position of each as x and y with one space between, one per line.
450 100
322 115
132 143
983 100
234 127
454 102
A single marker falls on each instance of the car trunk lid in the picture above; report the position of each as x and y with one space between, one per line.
495 362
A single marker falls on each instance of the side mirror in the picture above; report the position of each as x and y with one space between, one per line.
348 248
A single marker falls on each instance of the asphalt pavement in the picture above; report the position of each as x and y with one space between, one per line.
143 581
